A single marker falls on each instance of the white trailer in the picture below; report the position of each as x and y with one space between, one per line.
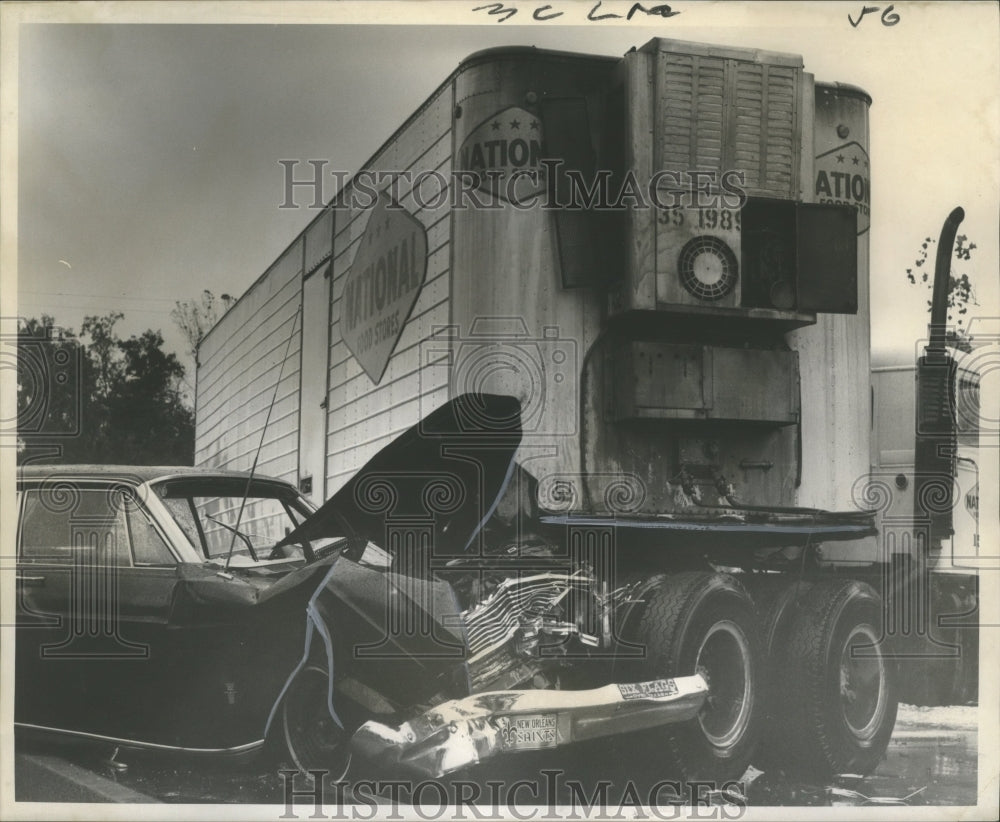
533 301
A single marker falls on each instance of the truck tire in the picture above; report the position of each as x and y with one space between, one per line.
776 606
313 740
703 622
839 707
777 599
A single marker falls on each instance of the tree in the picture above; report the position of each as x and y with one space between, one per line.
145 401
98 397
961 295
103 348
196 317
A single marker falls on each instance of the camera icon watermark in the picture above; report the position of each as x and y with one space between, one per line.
500 355
962 385
48 368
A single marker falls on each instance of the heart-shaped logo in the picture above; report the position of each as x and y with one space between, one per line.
383 285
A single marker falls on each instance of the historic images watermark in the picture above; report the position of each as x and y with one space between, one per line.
549 795
536 183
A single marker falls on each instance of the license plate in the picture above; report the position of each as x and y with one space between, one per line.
529 731
647 690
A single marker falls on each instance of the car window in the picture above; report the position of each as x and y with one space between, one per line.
231 522
184 515
69 524
148 547
263 521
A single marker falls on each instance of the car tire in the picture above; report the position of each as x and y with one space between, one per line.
314 739
703 622
839 706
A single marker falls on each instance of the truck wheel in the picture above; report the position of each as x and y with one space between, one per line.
705 623
776 604
840 704
777 600
313 739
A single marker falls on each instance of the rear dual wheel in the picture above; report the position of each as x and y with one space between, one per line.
700 622
806 668
837 705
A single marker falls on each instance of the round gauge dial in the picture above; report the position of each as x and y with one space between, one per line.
708 268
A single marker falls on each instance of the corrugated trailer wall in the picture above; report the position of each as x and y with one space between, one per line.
364 416
239 362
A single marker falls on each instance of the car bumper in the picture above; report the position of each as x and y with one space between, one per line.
463 732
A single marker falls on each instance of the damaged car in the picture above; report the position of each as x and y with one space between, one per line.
424 618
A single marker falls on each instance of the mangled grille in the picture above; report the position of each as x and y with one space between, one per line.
533 603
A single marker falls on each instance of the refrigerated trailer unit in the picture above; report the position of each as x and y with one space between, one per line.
664 258
636 337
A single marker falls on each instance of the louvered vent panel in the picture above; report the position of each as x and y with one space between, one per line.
765 104
722 114
748 116
678 113
782 143
709 124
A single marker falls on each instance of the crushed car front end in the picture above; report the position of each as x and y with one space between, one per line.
445 642
463 732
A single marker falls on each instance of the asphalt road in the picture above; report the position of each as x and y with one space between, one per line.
931 760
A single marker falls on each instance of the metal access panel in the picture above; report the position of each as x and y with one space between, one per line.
673 381
663 381
800 256
827 258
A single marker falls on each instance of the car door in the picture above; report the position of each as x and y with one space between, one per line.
95 584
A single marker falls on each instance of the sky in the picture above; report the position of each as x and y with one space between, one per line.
149 138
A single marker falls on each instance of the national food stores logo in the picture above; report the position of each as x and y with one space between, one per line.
383 285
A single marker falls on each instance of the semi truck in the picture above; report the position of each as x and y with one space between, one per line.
663 258
934 458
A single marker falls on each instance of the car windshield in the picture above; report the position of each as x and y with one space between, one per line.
222 523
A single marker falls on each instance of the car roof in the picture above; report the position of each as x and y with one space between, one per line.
135 474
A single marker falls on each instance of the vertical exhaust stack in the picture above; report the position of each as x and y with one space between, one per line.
935 444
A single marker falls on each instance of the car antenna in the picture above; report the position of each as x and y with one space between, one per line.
267 419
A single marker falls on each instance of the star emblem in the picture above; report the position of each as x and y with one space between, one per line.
855 160
840 158
515 124
534 125
495 124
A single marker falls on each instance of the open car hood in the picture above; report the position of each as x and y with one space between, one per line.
436 483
